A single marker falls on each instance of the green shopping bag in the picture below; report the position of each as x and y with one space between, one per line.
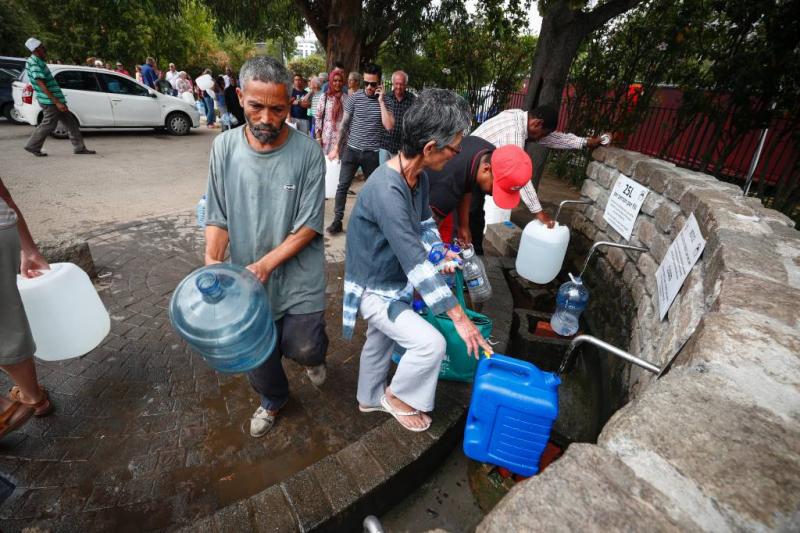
457 365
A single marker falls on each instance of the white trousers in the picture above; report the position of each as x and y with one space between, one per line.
415 380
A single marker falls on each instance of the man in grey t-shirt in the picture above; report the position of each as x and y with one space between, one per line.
266 196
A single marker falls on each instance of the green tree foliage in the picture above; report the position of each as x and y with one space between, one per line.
737 65
280 20
16 25
308 66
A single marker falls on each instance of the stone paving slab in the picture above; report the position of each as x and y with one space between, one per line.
147 437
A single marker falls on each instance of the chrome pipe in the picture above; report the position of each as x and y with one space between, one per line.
650 367
373 525
598 244
562 204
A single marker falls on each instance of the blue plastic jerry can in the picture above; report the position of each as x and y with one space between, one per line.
511 414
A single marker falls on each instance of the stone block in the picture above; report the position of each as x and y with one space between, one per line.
693 197
677 224
234 518
659 247
593 169
627 162
690 437
617 258
600 153
614 497
307 500
630 273
504 237
362 467
599 221
606 177
337 485
647 167
660 179
773 301
645 230
69 251
665 215
592 190
651 203
733 251
647 266
271 512
712 216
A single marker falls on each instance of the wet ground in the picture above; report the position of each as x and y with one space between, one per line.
145 435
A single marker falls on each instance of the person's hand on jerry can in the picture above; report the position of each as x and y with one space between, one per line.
545 219
452 261
32 263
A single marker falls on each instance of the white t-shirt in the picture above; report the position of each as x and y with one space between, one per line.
171 77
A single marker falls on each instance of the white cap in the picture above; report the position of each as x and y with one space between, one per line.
33 43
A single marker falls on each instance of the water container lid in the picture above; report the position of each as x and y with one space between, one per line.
468 251
215 300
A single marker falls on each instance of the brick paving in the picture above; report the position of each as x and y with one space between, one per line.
145 435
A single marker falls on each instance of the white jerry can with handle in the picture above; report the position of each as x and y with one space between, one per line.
65 313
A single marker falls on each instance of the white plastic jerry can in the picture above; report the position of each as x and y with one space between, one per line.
542 251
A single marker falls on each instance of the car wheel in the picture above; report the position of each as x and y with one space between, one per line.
13 116
178 123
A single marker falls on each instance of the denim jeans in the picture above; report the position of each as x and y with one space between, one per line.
351 160
211 118
301 338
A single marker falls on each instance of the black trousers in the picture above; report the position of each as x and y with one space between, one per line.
301 338
351 160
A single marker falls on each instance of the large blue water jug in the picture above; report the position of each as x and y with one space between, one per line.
513 407
223 313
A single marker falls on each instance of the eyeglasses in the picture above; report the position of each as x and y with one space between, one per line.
371 83
456 149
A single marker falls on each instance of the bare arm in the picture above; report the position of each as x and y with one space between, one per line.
216 244
464 234
468 332
290 247
341 139
387 117
31 259
58 103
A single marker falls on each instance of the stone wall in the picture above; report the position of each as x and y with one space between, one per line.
714 444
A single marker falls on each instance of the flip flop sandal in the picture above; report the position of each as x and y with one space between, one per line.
399 414
41 408
14 414
377 408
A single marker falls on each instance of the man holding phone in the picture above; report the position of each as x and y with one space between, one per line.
366 117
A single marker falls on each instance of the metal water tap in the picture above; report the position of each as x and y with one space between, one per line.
598 244
647 365
565 202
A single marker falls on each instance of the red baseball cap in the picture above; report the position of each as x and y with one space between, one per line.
512 169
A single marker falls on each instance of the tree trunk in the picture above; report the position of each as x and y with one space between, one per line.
563 31
344 43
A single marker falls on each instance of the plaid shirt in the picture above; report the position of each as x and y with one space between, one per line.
391 139
511 127
38 70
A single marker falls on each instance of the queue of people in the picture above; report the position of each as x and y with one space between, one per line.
265 209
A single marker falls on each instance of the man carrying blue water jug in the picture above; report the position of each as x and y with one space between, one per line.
266 195
391 230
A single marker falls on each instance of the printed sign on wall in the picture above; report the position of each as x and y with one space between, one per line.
683 253
623 205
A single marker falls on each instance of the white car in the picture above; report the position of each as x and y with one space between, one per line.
101 98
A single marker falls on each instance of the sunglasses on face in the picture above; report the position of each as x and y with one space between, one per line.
371 83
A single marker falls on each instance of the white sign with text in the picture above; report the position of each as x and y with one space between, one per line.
623 205
683 253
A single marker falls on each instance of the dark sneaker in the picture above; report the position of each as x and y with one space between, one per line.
85 151
334 228
37 153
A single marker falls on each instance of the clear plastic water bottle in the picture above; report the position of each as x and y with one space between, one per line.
222 312
571 301
480 290
436 256
200 211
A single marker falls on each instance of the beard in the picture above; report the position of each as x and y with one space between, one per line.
265 133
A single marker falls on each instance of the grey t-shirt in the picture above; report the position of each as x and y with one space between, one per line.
262 197
8 217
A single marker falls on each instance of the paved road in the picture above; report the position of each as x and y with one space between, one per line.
136 174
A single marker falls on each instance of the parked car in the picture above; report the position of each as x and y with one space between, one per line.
101 98
10 70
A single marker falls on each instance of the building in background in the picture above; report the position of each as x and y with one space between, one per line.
307 43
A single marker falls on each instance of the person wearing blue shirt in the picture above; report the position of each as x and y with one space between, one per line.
149 76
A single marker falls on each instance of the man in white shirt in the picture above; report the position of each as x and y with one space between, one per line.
172 77
516 126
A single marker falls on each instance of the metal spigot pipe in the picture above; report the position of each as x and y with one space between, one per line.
650 367
565 202
598 244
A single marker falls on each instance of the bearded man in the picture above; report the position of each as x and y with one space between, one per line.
266 197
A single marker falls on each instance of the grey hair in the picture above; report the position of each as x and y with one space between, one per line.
400 73
315 80
436 115
267 70
354 76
